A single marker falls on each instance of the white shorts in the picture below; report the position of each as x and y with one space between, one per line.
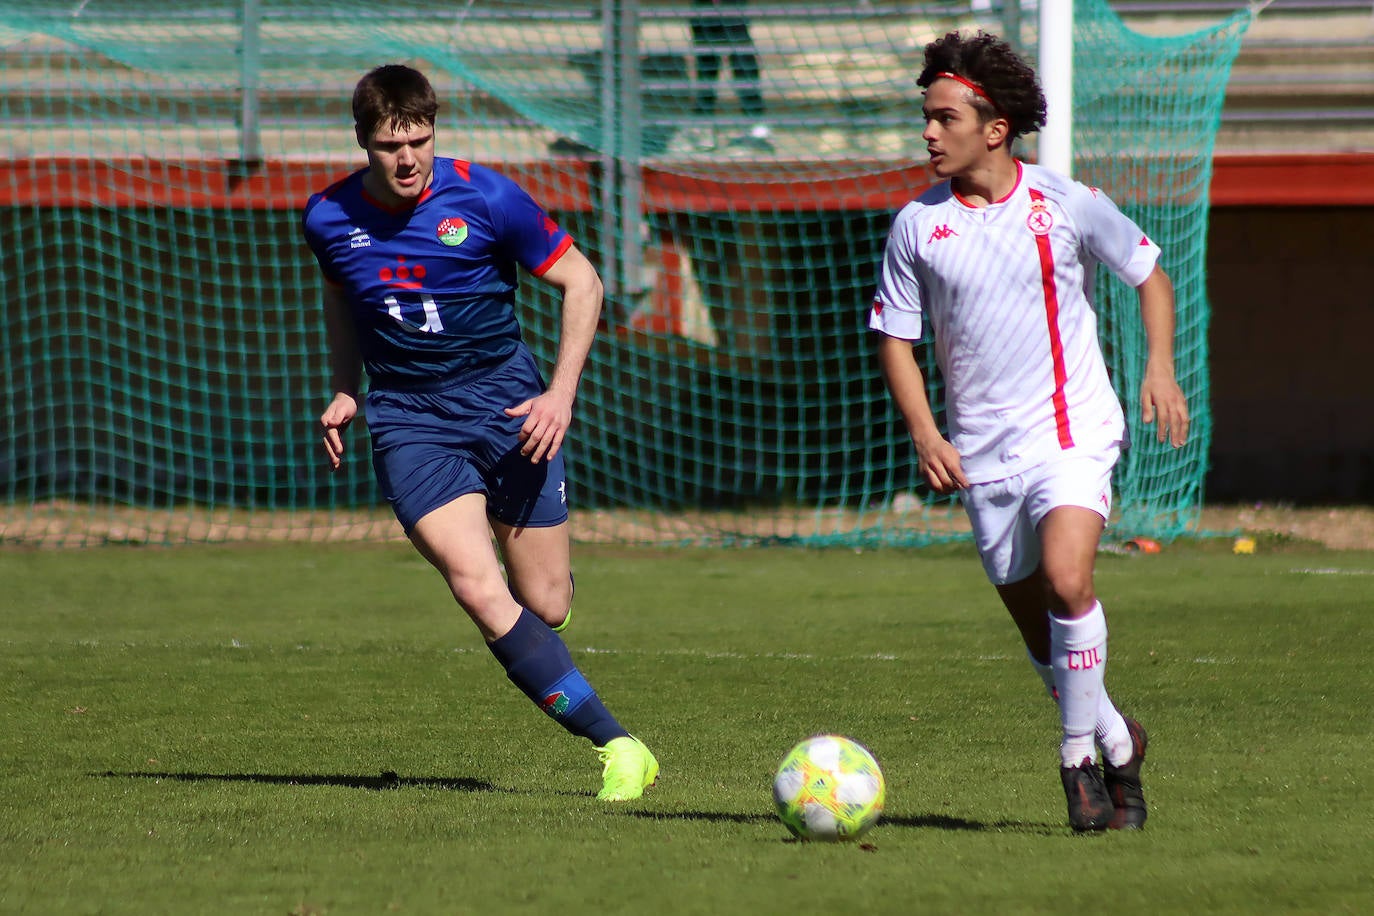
1006 513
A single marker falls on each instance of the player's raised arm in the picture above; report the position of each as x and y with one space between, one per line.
548 416
1161 399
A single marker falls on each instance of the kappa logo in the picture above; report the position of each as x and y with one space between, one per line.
358 238
403 275
941 233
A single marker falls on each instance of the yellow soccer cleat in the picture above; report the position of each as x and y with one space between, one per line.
629 769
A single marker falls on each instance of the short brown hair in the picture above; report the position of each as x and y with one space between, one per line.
394 95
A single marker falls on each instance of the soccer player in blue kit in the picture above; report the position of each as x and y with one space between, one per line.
420 255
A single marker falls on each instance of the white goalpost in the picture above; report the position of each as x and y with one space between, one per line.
1056 79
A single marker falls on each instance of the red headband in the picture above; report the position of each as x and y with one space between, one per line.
977 90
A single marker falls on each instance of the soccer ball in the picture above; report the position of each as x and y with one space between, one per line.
829 788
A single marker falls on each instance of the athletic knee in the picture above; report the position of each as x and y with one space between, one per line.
548 597
481 597
551 601
1072 593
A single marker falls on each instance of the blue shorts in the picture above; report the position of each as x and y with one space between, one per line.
431 447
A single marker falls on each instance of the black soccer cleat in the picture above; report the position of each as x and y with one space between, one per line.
1123 782
1090 807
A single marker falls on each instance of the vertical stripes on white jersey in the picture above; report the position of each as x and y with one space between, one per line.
1005 290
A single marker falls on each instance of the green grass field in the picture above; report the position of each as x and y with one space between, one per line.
315 729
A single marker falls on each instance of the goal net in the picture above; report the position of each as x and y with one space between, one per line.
731 169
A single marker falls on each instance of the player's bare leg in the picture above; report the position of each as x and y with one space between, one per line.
1028 603
538 569
1069 538
538 565
456 540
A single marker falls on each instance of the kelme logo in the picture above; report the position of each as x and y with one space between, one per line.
452 231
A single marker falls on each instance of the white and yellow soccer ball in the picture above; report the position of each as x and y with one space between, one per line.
829 787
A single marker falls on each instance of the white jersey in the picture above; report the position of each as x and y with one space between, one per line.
1006 289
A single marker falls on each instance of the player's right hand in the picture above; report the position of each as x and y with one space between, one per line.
334 421
938 461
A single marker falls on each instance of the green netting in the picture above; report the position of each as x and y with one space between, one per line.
163 354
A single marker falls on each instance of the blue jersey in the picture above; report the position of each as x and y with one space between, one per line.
432 288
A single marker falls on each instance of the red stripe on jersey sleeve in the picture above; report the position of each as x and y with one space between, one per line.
558 252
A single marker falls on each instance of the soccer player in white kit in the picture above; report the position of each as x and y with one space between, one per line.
998 260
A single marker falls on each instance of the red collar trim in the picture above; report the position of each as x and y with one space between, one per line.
1003 199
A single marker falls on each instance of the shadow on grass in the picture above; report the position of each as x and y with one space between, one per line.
945 822
921 821
716 816
387 780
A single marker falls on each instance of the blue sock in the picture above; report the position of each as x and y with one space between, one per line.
537 661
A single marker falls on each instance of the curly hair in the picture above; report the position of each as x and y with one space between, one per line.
394 95
1011 88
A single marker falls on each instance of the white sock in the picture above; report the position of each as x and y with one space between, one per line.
1110 729
1078 654
1112 734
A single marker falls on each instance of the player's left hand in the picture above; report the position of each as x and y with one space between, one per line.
547 418
1162 402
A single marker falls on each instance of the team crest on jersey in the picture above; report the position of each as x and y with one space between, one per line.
1040 221
452 231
